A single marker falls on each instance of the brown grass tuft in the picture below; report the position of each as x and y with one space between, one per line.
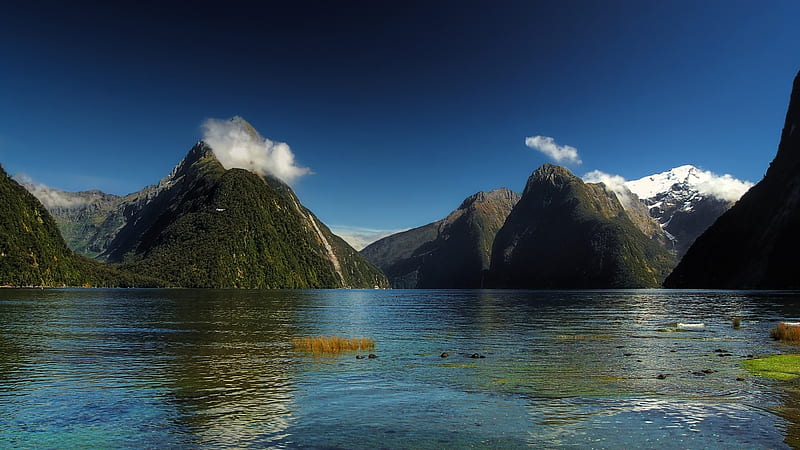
332 344
786 333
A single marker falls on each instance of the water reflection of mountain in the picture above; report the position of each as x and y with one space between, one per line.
227 360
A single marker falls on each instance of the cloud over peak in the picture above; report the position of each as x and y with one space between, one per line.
558 153
236 144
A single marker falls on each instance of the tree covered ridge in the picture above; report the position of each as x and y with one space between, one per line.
33 253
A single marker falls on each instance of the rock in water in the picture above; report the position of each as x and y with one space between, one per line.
756 243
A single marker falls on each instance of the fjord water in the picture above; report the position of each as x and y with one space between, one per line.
210 368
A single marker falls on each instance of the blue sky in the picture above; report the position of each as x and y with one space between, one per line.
400 109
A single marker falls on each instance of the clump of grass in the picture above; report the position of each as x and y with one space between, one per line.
332 344
779 367
785 332
736 323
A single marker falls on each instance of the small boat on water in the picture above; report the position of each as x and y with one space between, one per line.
690 326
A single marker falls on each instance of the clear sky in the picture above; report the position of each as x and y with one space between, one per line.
400 109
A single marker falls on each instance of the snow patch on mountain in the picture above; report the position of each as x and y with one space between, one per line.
690 178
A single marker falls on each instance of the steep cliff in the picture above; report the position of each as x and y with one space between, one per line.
756 242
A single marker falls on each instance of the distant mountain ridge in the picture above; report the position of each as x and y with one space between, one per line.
755 244
686 200
450 253
79 215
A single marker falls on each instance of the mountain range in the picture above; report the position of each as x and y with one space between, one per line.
452 253
207 226
668 211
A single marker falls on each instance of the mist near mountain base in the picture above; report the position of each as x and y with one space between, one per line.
237 145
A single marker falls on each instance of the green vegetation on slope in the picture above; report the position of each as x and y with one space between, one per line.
33 253
216 228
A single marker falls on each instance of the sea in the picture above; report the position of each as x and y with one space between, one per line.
182 368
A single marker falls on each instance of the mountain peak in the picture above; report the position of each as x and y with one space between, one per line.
550 174
691 179
200 152
245 126
787 160
501 194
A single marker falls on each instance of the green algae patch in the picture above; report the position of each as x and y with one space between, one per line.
779 367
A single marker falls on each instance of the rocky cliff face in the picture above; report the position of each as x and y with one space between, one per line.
567 234
451 253
756 242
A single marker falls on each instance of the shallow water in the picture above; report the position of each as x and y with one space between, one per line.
185 368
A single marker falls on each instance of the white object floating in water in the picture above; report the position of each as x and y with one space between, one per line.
791 324
220 209
690 326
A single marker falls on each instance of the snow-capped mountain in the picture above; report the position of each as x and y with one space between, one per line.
686 200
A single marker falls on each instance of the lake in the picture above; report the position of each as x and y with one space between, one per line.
216 368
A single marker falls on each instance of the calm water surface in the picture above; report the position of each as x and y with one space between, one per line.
194 368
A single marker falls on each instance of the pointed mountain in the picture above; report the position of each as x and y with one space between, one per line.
452 253
33 253
205 226
567 234
755 244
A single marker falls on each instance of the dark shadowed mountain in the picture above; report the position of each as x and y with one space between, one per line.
451 253
567 234
756 243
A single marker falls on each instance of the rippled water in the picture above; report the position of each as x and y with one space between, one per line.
184 368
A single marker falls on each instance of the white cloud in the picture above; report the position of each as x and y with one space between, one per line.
50 198
361 237
615 183
237 145
558 153
724 187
